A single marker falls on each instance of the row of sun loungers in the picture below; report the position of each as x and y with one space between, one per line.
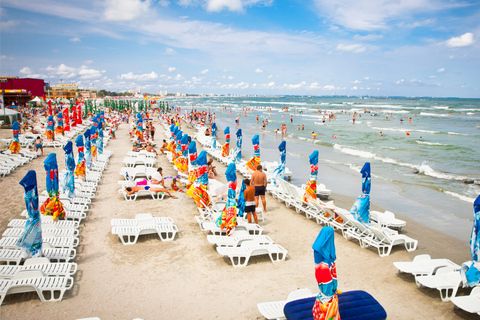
51 275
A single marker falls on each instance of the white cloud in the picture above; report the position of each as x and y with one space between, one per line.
329 87
139 77
419 23
61 70
375 14
230 77
367 78
232 5
170 51
441 70
87 73
295 86
270 76
354 88
75 39
368 37
179 77
88 61
5 25
271 84
464 40
355 48
356 81
258 70
171 69
125 10
26 71
204 71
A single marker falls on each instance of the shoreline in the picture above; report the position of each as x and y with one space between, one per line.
187 279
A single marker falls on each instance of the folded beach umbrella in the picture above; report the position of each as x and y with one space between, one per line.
74 116
192 153
100 137
31 240
311 186
139 132
50 111
361 207
49 131
88 149
68 182
80 167
471 269
172 129
241 200
255 160
79 114
238 149
214 135
228 218
279 172
198 190
326 303
66 115
59 128
226 146
15 145
93 142
52 206
184 144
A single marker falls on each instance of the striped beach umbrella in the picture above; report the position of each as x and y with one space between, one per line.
471 269
228 218
238 149
198 190
255 160
31 240
52 206
326 303
80 167
361 207
279 172
15 144
226 146
311 186
68 182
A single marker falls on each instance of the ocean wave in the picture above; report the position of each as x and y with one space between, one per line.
395 111
405 130
425 169
442 107
470 113
460 196
433 114
431 143
458 134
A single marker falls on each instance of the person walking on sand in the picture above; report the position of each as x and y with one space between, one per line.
259 181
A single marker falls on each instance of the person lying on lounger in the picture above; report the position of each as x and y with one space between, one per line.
149 148
132 190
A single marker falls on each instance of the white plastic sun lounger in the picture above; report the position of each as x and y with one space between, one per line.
35 280
240 255
43 264
133 197
446 281
49 223
55 242
129 234
250 227
69 215
423 265
387 219
50 228
53 254
470 303
274 310
238 237
384 241
138 218
141 160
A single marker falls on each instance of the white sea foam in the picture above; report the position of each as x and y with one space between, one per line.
395 111
458 134
441 107
431 143
428 171
470 113
433 114
460 196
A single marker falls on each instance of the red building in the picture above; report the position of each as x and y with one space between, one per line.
19 91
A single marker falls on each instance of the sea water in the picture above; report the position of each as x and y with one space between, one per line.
425 164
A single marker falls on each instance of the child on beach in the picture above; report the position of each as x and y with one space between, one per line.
175 186
39 145
249 196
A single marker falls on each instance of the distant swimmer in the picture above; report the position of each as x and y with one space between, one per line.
410 120
291 118
353 119
314 135
298 128
237 121
421 139
257 119
303 128
381 134
334 137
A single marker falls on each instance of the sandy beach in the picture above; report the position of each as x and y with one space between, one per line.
187 279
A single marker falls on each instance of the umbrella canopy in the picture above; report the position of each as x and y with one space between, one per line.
80 168
79 114
311 186
214 135
238 149
50 111
361 207
255 160
228 218
471 269
198 190
279 172
31 240
49 131
192 152
15 145
241 200
326 304
52 205
68 182
226 146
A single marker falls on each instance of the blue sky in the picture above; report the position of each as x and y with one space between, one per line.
266 47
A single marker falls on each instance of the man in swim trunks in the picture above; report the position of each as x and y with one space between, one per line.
249 196
259 181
